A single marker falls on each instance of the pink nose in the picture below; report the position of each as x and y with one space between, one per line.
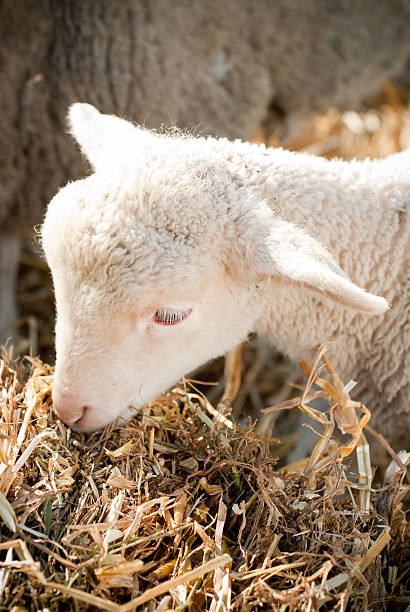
70 420
67 408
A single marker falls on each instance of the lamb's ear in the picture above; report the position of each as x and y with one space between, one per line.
288 253
102 138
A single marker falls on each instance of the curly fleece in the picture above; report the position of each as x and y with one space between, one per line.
302 245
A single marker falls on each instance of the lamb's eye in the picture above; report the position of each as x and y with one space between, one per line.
166 316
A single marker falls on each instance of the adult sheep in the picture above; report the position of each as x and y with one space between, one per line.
223 67
177 247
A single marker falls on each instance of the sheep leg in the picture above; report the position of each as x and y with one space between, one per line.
9 259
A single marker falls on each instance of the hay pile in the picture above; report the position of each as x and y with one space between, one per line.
180 509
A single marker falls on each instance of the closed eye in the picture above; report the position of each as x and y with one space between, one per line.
166 316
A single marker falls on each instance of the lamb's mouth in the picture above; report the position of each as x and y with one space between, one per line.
84 426
127 413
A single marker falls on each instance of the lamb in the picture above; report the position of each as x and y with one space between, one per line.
177 247
224 68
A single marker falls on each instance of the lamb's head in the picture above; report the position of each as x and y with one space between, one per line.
142 295
156 261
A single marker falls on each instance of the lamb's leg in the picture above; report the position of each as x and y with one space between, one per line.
9 258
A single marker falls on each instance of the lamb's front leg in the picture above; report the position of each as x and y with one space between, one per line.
9 257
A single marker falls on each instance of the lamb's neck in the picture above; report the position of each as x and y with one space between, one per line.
353 208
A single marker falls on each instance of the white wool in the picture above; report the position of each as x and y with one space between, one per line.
242 237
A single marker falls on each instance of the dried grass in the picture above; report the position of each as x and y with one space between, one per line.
181 509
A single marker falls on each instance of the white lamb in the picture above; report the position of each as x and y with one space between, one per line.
177 247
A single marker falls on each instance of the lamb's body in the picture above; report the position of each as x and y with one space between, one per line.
361 212
218 67
212 228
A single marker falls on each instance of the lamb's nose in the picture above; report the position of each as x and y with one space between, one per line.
67 409
70 420
68 417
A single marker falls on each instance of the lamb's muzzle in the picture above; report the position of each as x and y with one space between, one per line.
67 408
